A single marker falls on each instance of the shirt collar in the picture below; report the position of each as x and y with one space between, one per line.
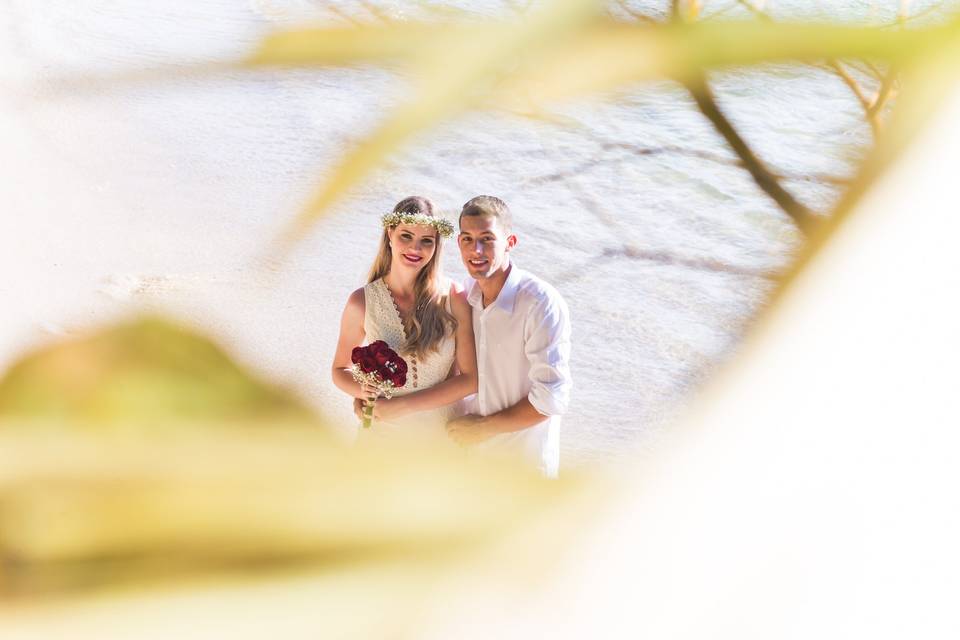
475 296
507 296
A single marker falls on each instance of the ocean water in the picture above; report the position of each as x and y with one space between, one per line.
165 196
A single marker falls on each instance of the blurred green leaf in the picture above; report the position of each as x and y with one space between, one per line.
140 473
148 371
81 511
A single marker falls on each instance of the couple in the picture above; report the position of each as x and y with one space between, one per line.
488 363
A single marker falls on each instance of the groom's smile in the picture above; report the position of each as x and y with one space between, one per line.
483 245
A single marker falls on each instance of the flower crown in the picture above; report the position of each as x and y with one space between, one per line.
443 227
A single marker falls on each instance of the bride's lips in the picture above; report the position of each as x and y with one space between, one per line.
412 259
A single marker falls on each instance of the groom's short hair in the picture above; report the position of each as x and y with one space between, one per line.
489 206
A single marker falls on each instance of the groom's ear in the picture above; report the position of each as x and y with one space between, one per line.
511 241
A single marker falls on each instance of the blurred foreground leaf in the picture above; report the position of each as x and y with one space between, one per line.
78 512
147 371
85 508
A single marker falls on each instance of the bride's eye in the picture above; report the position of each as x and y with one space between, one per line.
406 236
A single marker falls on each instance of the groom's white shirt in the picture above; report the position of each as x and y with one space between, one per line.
523 351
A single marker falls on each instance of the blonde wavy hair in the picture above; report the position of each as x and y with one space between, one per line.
430 322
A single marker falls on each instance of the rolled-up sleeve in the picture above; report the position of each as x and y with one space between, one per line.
547 347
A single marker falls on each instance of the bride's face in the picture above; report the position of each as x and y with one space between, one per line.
413 245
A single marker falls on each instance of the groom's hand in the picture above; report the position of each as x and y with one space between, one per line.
469 429
389 409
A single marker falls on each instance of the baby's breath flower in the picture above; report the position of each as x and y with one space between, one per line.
443 227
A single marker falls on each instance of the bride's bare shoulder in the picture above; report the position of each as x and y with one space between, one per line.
356 303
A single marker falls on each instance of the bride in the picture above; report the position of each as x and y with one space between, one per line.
424 318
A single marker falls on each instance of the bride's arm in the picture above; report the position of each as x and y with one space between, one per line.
351 335
453 388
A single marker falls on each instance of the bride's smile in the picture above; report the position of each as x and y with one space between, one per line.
413 245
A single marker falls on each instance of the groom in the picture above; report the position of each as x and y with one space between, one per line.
522 331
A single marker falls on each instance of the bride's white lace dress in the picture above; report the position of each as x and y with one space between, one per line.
382 321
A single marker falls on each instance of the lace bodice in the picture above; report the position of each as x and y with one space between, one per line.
381 321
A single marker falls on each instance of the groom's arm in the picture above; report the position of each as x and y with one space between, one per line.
547 348
522 415
471 429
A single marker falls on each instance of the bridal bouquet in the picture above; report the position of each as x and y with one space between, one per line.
379 366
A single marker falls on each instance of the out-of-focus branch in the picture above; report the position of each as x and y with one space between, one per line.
340 13
855 87
701 264
857 90
867 68
883 94
639 150
633 13
872 107
754 9
903 18
703 95
699 88
375 11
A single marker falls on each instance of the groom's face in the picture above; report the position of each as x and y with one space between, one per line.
484 245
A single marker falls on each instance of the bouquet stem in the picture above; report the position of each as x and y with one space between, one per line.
368 413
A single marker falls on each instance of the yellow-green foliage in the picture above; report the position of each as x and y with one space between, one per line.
147 371
80 510
139 473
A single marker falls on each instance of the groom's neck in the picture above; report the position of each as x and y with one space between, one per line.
492 286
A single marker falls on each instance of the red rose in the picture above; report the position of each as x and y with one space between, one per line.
378 358
377 346
361 357
382 353
394 370
397 379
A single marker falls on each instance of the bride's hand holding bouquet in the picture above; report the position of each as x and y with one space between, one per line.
380 371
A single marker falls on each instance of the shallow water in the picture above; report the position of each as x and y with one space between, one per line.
166 195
